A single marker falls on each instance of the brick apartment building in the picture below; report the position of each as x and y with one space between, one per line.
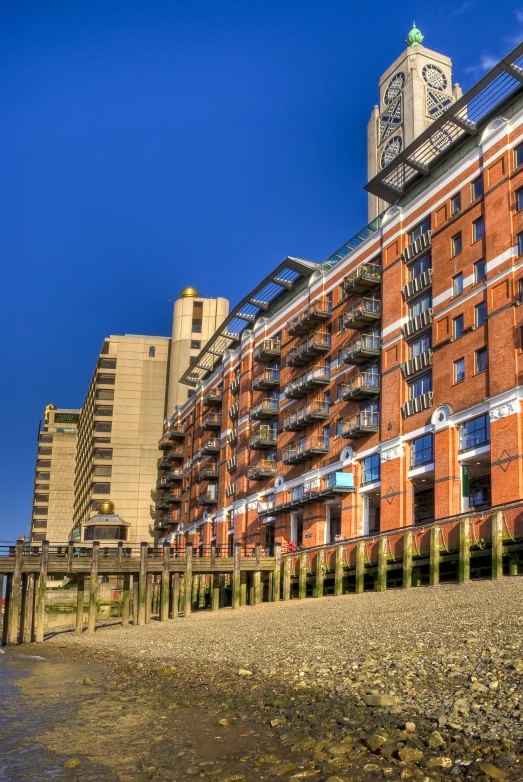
380 389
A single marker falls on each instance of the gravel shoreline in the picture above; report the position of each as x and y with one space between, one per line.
422 684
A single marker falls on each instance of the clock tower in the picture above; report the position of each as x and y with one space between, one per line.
414 91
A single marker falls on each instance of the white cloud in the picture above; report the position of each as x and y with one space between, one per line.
519 15
486 62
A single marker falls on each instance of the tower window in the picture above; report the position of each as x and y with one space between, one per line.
419 230
455 204
476 188
456 244
152 351
196 344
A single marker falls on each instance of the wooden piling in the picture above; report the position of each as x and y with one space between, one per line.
497 545
236 576
202 591
70 555
256 577
215 587
434 556
142 586
243 588
187 581
407 560
26 613
338 570
5 628
513 566
287 578
148 597
381 578
93 588
40 593
126 599
276 578
194 591
80 596
319 573
15 601
302 576
164 590
464 551
360 567
136 602
175 595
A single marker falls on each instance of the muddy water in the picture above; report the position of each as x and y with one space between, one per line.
54 726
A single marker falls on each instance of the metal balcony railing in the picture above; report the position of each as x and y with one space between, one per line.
212 421
163 464
175 453
211 446
417 323
363 386
265 468
309 491
174 496
304 449
419 284
417 364
209 472
267 350
308 318
266 507
265 437
269 378
267 408
314 345
174 475
360 424
417 405
362 349
308 381
365 312
364 277
302 416
213 397
177 432
209 496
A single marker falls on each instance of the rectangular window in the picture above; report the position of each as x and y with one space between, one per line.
107 411
43 476
520 243
478 229
421 450
41 498
518 156
371 468
475 432
107 363
476 188
45 438
107 380
480 270
456 245
457 326
103 453
455 204
196 344
103 426
420 345
421 265
481 360
341 325
101 488
43 463
102 470
43 487
422 385
420 305
457 284
196 327
105 393
519 199
45 451
102 440
39 511
152 351
459 370
480 313
419 230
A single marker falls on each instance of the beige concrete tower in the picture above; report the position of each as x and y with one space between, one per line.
194 322
53 499
414 91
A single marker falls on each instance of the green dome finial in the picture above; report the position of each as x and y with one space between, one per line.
414 38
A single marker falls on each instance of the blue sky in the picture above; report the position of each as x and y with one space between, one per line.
145 146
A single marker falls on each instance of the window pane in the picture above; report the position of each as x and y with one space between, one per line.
457 284
481 359
102 470
102 426
371 468
419 306
477 188
420 386
419 230
420 266
456 244
458 326
478 229
520 243
519 199
459 370
518 155
480 313
475 432
480 270
455 204
107 380
196 344
102 488
420 345
104 411
421 450
107 363
105 393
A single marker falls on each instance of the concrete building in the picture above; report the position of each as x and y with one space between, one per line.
53 496
414 91
195 319
380 389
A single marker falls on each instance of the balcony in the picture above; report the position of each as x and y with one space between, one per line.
265 468
209 472
163 464
265 437
419 284
417 323
417 405
315 345
417 247
267 350
175 453
305 415
363 386
161 504
266 507
213 397
417 364
361 424
174 475
165 443
209 496
362 349
177 432
212 421
307 382
162 483
174 496
173 517
364 277
317 312
365 312
160 524
211 446
305 449
327 487
269 378
267 408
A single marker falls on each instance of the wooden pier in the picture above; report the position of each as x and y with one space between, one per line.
488 544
